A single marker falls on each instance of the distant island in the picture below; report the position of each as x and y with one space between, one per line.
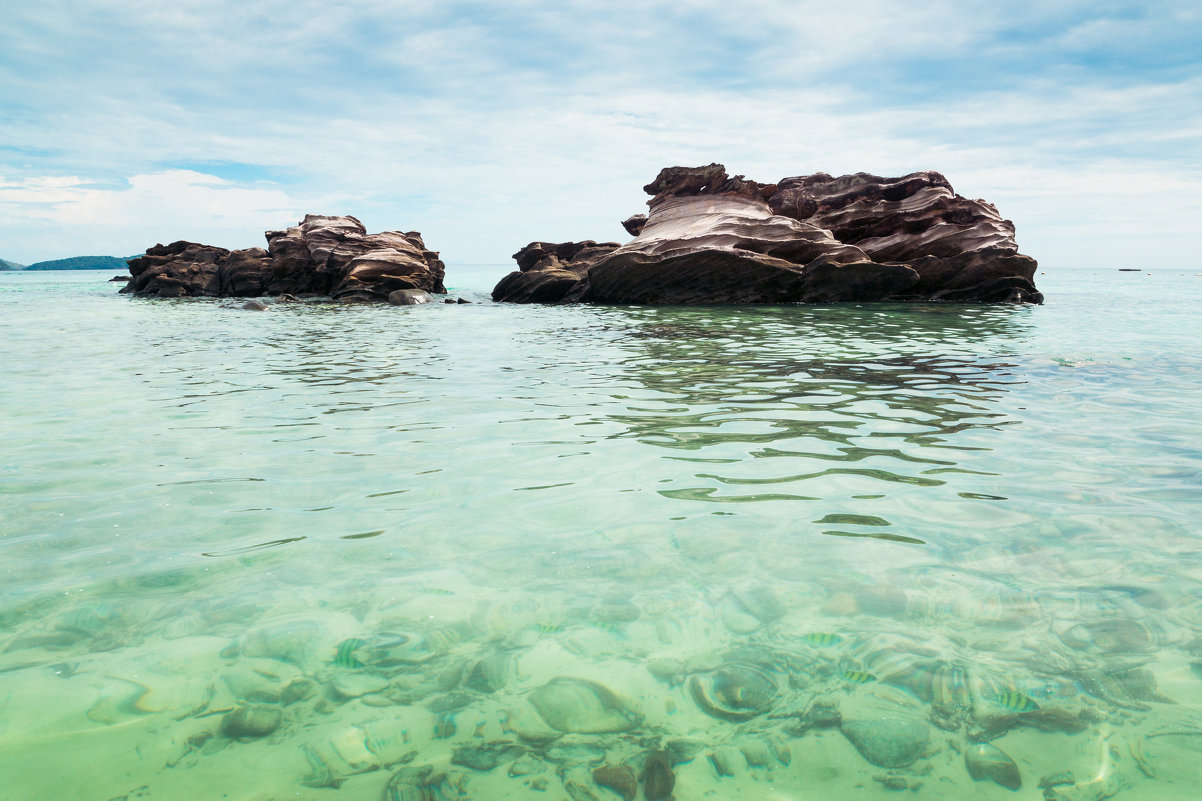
83 263
10 265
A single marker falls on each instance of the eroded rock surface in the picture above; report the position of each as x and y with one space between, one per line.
322 255
711 238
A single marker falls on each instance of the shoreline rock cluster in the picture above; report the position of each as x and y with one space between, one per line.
712 238
708 238
321 255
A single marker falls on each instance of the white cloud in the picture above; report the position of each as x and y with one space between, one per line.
169 205
486 126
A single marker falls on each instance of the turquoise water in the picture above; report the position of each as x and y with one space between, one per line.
480 550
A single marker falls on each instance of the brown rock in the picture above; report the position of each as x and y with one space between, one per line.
181 269
251 722
711 238
619 778
657 776
548 270
321 255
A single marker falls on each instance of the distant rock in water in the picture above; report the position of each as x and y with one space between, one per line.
711 238
332 256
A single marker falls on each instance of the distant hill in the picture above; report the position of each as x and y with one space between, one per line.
10 265
82 263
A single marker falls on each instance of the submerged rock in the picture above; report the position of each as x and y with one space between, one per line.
987 761
888 742
711 238
657 776
582 706
321 255
410 297
619 778
251 722
486 756
733 692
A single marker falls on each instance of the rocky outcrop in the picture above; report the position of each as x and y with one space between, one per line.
711 238
332 256
548 270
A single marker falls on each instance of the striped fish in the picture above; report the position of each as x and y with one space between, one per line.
444 726
1014 701
822 638
610 627
345 656
857 676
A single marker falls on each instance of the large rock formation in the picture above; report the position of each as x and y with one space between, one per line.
711 238
332 256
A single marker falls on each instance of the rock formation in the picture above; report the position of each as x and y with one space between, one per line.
711 238
332 256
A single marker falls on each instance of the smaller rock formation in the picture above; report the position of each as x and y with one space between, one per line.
321 255
547 270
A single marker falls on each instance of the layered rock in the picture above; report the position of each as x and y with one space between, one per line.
548 270
711 238
322 255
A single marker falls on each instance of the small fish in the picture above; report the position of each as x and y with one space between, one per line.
822 638
444 726
1015 701
547 628
436 591
345 657
609 626
857 676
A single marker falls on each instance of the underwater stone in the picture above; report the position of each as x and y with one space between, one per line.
733 692
761 601
487 756
353 685
892 782
657 776
619 778
584 707
683 750
1055 779
668 670
250 685
489 674
728 760
735 617
292 641
987 761
526 765
756 752
575 753
888 742
578 785
823 713
394 648
409 784
410 297
250 722
296 690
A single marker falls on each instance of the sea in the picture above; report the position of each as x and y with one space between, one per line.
567 553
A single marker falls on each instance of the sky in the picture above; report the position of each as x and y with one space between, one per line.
485 126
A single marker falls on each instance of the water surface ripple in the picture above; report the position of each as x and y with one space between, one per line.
479 551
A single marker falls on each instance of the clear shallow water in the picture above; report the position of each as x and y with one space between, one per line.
423 541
